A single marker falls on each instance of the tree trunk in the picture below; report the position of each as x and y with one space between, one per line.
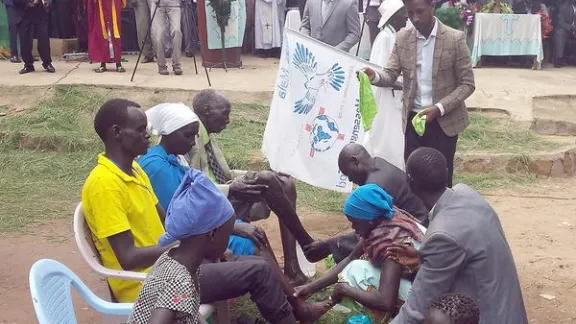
222 39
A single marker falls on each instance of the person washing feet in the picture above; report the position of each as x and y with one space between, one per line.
367 278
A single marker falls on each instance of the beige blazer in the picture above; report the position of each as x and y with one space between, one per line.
452 77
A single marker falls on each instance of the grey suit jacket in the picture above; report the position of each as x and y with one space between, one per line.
452 75
341 28
465 251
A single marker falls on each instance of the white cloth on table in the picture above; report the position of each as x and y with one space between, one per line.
268 23
505 35
386 137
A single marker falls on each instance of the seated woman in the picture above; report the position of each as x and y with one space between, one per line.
368 276
178 127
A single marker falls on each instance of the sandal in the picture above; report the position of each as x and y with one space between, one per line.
120 69
101 69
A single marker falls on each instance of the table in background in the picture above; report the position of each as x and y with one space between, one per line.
506 35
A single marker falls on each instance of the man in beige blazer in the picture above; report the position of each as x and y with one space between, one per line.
435 63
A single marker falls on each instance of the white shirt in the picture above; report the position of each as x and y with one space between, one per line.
326 5
424 68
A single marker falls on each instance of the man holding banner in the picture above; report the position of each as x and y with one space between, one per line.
314 115
437 70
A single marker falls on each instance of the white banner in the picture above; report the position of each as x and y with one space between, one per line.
314 112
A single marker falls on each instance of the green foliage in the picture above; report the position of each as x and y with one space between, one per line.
222 10
450 17
505 8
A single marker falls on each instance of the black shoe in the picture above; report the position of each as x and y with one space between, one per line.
189 54
147 60
49 68
27 69
15 59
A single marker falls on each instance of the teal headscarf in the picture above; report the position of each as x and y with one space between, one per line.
369 202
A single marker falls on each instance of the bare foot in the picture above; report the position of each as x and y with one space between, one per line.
295 275
297 279
316 251
310 313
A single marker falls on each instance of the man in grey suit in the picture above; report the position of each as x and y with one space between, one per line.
564 30
334 22
464 250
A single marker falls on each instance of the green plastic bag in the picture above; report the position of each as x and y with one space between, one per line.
368 108
419 123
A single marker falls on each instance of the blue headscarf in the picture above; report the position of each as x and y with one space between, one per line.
369 202
197 207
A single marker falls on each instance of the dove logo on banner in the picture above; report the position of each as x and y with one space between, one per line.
305 62
314 112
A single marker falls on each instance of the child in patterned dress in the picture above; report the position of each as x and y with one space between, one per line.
202 219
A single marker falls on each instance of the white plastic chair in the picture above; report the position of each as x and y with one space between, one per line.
89 253
51 295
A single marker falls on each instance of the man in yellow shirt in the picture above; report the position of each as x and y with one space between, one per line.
126 221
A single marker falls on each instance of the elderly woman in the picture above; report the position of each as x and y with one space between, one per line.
178 127
368 276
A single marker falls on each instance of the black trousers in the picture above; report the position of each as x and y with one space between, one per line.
12 30
433 137
61 19
35 20
253 275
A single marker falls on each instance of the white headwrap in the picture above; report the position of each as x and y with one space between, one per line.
166 118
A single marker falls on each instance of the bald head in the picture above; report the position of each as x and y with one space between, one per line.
213 109
355 162
427 169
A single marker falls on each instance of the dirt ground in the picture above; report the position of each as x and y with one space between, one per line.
539 222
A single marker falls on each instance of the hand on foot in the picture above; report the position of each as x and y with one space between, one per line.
304 291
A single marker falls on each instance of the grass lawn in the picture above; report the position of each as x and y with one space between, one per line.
496 135
47 151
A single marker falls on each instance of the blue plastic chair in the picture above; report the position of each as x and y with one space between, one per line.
50 288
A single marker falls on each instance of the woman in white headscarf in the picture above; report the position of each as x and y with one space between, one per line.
177 125
386 138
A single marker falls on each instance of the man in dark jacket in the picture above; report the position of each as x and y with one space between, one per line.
564 30
31 16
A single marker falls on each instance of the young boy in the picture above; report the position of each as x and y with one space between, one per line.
453 309
202 219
